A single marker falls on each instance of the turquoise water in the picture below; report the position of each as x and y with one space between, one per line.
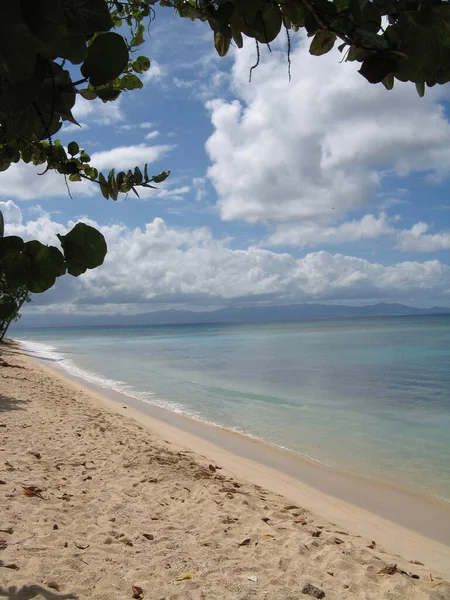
368 396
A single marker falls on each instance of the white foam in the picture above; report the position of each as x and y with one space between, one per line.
43 351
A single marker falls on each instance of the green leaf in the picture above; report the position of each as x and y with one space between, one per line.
87 16
84 157
221 43
137 176
103 185
142 64
237 37
84 248
88 94
46 22
20 95
161 176
295 13
75 48
138 39
16 269
376 68
388 81
322 43
341 5
107 58
47 263
108 95
420 87
131 82
73 148
112 185
17 51
268 24
11 243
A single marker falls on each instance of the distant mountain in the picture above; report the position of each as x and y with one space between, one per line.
247 314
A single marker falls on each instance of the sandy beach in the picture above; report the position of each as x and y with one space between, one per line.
101 501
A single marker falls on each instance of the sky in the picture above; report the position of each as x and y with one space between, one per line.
323 189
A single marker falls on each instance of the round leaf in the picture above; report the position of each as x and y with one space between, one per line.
47 263
107 58
222 43
84 248
269 23
322 43
11 243
161 176
16 269
73 148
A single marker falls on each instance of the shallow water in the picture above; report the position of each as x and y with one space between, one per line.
368 396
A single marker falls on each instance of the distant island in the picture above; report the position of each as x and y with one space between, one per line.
246 314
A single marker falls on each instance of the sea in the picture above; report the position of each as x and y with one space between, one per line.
367 396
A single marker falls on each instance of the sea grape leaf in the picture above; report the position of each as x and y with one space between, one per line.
107 58
84 248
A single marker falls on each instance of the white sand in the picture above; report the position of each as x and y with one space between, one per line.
108 477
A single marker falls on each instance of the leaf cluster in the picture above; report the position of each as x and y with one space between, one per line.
37 93
32 267
408 40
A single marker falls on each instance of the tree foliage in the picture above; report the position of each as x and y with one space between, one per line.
52 51
408 40
38 42
19 297
31 267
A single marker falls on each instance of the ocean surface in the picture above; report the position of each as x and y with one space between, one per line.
368 396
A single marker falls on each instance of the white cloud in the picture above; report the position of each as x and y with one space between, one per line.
146 125
71 127
12 214
286 152
152 135
417 239
155 73
310 233
199 184
170 266
97 112
127 157
24 182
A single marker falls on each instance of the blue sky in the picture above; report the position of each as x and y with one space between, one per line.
323 189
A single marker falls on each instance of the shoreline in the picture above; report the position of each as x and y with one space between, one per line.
405 523
209 429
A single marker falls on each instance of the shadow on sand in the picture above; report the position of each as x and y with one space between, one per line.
26 592
8 403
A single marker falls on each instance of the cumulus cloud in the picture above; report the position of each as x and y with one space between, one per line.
310 233
155 73
285 152
23 182
126 157
172 266
98 112
417 239
11 213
